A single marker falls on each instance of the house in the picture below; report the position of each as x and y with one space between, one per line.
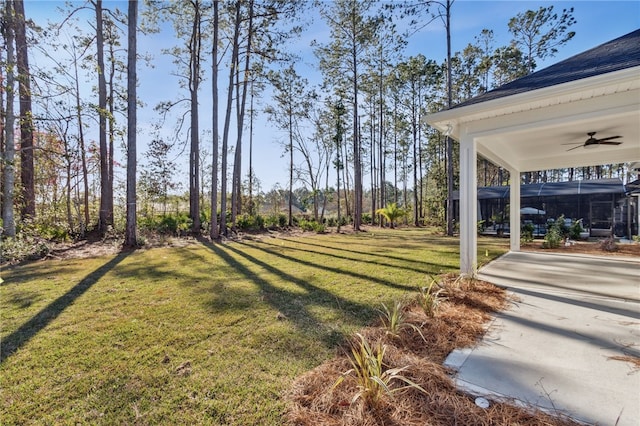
531 123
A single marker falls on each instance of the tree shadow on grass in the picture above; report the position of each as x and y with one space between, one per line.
386 262
440 242
289 303
310 241
332 269
38 322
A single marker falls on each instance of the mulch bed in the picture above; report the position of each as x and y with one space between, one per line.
588 247
460 322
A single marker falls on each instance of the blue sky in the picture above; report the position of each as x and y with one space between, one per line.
597 22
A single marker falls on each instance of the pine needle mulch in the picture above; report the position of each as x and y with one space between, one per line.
460 321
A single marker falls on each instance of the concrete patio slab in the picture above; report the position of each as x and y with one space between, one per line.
561 344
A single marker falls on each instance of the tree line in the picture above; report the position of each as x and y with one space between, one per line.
355 142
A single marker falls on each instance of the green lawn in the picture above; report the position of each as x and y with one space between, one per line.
202 334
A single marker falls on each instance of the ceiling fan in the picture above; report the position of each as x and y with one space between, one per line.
594 142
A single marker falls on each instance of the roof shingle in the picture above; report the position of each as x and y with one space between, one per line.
615 55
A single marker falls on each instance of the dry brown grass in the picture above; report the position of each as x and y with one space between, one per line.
460 322
633 360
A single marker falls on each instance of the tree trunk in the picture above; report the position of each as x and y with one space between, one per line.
290 221
130 239
27 171
227 120
373 170
194 152
8 178
251 115
105 218
346 181
83 151
357 165
381 153
67 187
237 164
414 135
214 232
111 121
449 142
395 150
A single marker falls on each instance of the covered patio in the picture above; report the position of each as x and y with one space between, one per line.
564 345
542 121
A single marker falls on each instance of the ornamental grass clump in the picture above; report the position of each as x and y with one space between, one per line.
395 320
373 379
429 297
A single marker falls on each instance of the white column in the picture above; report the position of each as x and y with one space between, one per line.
514 210
468 205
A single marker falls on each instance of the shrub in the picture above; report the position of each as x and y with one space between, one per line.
555 233
320 228
52 232
575 229
205 218
305 225
276 221
526 233
26 245
250 223
552 239
146 222
168 224
334 221
311 225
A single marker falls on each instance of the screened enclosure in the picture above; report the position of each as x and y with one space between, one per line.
604 207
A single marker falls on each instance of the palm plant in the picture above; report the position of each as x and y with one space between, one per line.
391 212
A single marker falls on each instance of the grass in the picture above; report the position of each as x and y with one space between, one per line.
202 334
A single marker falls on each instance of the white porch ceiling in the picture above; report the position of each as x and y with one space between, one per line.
534 130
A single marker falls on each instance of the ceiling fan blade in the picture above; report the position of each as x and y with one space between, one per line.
609 138
575 147
609 143
572 143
